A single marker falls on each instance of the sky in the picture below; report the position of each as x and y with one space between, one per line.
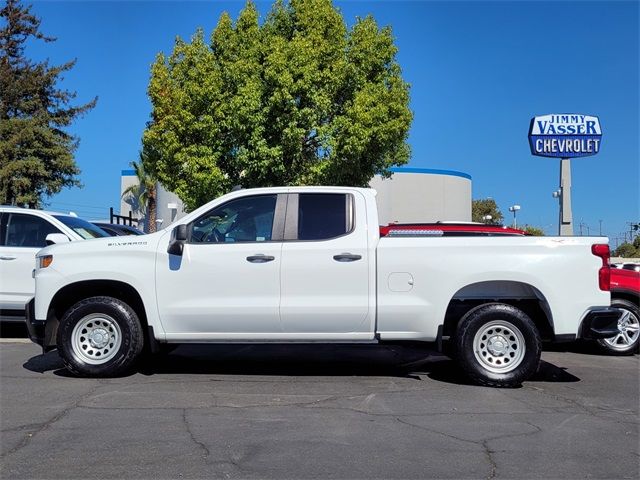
479 71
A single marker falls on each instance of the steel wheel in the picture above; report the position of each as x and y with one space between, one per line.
96 338
499 346
628 326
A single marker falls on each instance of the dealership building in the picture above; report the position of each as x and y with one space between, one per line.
410 195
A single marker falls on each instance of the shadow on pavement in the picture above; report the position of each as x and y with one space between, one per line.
582 347
302 360
45 363
13 330
548 372
449 372
292 359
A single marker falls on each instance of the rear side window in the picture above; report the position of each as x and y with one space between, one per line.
322 216
27 231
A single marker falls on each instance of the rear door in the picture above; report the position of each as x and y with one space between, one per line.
325 268
22 236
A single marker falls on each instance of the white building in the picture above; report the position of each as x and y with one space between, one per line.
410 195
168 209
415 195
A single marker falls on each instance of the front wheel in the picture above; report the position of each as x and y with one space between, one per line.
498 345
627 340
99 337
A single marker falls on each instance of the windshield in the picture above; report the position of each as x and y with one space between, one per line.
120 229
83 228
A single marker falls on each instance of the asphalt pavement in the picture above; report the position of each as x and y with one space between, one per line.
316 412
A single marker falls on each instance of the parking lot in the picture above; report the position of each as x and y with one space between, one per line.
316 412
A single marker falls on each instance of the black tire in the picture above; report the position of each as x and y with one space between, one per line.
627 341
100 337
498 345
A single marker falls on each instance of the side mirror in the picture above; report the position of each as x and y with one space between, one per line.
178 237
56 238
180 233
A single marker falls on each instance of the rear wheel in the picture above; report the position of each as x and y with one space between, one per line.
498 345
627 340
100 337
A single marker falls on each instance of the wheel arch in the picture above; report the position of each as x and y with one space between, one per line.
521 295
628 295
72 293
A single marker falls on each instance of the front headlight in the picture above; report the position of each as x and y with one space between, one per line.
44 261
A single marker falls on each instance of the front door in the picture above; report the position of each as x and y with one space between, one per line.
22 235
226 284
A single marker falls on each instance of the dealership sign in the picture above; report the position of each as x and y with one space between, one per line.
565 135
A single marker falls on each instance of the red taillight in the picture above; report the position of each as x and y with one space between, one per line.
601 250
604 275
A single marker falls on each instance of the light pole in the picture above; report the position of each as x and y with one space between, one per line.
514 209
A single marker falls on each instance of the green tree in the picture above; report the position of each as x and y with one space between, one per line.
628 249
142 196
299 99
486 206
36 153
531 230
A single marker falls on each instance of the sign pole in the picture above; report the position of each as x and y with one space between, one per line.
565 227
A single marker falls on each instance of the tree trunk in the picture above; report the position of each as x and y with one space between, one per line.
151 210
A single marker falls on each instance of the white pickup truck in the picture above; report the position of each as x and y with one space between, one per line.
23 232
307 264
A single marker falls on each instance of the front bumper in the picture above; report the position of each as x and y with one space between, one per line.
34 327
600 323
39 330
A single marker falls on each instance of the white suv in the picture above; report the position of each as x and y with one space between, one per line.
22 233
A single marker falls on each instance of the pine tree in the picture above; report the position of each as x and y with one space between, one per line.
36 153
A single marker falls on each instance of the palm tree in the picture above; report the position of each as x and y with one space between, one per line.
143 194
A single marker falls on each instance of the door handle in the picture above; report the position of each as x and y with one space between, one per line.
8 257
260 258
346 257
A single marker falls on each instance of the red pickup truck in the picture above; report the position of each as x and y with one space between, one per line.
625 295
625 284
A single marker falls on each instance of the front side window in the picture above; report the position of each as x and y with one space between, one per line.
322 216
248 219
27 231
